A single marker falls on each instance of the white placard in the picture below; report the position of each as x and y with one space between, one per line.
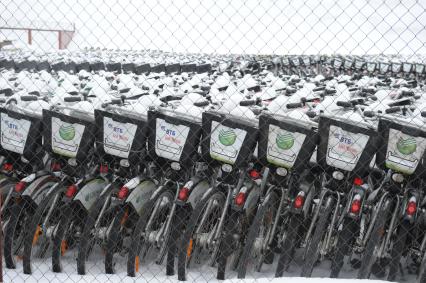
283 146
226 142
404 152
170 139
344 148
14 133
66 137
118 137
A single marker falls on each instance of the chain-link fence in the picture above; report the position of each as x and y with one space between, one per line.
165 141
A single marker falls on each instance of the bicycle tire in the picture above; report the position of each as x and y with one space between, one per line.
141 226
253 231
31 230
367 258
289 247
398 249
190 228
314 245
344 243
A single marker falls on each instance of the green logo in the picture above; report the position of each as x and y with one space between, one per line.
406 146
285 141
67 132
227 137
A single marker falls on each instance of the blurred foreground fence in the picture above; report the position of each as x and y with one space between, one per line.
214 140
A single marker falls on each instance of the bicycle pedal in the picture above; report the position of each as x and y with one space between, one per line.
379 269
355 263
412 268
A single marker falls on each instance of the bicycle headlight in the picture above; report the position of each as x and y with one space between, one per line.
397 177
338 175
282 171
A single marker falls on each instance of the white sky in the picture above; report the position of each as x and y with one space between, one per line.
229 26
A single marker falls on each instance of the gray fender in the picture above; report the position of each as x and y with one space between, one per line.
372 197
4 180
90 192
39 187
197 193
144 192
252 200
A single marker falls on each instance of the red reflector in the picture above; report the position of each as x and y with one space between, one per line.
56 166
71 191
299 201
8 167
240 199
103 169
254 174
20 186
411 208
356 206
358 181
122 194
183 194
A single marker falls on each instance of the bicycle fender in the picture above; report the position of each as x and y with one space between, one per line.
140 195
197 193
372 197
252 200
4 180
32 190
90 192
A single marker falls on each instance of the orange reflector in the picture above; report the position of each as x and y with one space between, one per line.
64 247
36 235
189 250
137 263
125 216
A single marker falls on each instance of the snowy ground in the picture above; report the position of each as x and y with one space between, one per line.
150 272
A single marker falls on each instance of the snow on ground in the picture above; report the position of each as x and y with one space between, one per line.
150 272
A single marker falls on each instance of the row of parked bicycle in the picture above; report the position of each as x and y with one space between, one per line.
149 61
230 169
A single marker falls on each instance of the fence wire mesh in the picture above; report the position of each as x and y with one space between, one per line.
166 141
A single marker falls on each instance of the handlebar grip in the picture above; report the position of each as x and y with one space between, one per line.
247 102
393 110
29 98
170 98
369 114
369 90
294 105
290 90
311 114
344 104
330 91
407 93
72 98
201 103
116 101
320 88
357 101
